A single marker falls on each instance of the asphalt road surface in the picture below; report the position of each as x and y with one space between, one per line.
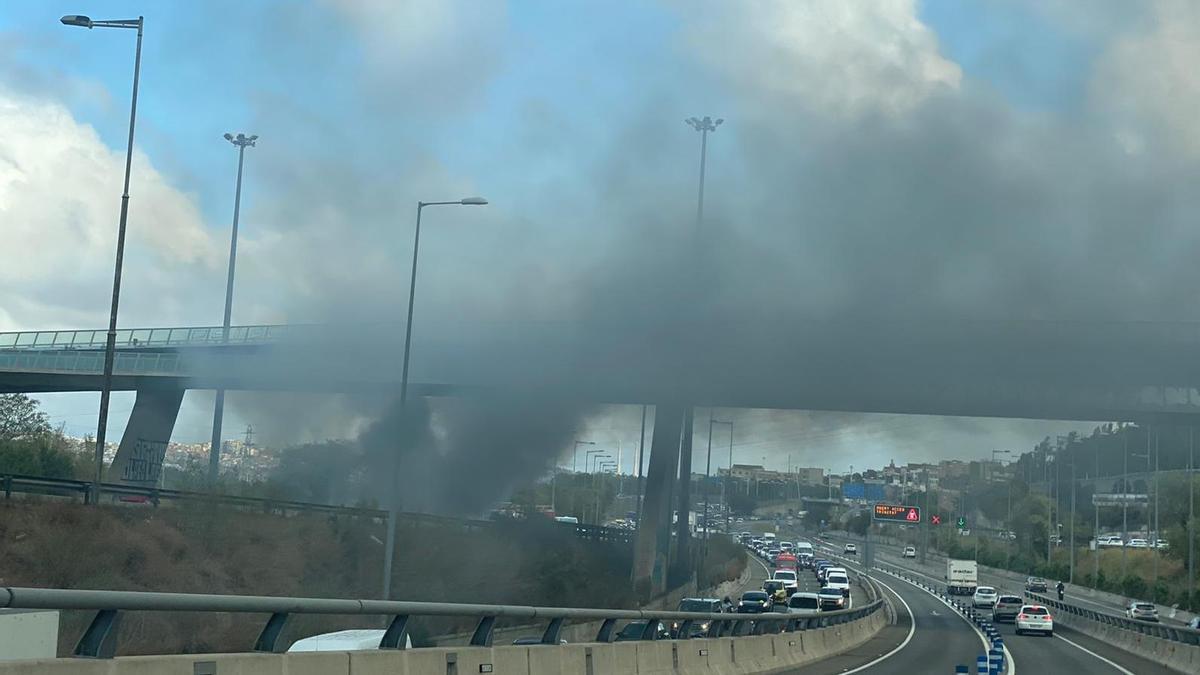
1067 651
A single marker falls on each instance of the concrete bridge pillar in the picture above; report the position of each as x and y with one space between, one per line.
652 548
140 456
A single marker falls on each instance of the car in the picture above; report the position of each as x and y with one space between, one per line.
754 602
776 589
1034 618
1007 608
635 629
1142 611
838 579
1161 544
1139 543
831 598
354 639
530 640
910 552
788 577
1035 585
704 605
804 604
786 546
850 549
985 596
805 560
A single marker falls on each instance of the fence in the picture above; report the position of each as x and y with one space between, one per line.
65 487
1154 629
100 638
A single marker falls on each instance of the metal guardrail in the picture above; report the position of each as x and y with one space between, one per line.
24 484
147 337
99 640
1154 629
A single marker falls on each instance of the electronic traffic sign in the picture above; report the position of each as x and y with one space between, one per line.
935 519
897 513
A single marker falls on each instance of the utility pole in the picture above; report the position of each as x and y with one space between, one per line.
1096 531
1191 513
925 522
1071 574
640 466
1157 532
1125 504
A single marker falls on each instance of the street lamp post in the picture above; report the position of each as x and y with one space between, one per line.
729 474
110 345
575 453
393 512
242 142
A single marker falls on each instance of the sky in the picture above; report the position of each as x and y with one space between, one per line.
1010 159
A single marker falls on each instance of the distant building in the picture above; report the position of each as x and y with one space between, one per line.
757 472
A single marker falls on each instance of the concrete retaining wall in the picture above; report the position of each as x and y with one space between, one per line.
719 656
1174 655
28 634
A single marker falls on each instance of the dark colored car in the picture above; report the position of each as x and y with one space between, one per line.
1035 585
754 602
698 628
634 629
1007 608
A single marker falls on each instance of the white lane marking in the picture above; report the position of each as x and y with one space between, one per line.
1086 650
1008 658
1073 644
912 628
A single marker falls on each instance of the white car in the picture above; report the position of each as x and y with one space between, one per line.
1139 543
850 549
1035 618
355 639
788 577
804 604
838 579
910 552
1142 611
985 596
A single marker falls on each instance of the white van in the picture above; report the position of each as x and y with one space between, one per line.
353 640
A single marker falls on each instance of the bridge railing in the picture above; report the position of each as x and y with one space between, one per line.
99 640
91 362
146 337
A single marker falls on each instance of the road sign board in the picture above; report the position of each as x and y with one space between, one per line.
962 522
935 519
897 513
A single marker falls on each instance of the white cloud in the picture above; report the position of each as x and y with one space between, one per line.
1146 78
60 189
839 57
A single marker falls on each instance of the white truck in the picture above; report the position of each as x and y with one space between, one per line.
962 576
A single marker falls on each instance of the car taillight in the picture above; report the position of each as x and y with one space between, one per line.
1022 617
1049 618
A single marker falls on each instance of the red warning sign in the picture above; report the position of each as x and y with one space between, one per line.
935 519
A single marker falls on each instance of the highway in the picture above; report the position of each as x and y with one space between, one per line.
1066 651
1101 602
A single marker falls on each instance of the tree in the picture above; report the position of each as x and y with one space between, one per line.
20 418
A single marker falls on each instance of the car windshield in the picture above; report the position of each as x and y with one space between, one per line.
786 576
1035 611
984 590
1144 606
1009 599
699 606
837 579
830 592
802 602
754 596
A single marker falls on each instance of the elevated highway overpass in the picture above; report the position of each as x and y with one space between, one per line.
1029 369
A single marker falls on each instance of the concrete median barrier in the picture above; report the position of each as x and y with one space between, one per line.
703 656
